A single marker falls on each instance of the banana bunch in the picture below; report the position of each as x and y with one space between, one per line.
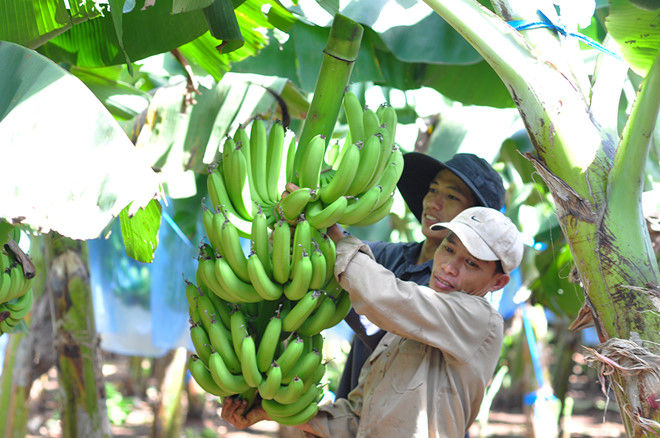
256 318
16 294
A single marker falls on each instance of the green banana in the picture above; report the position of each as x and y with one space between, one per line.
21 306
388 131
280 410
287 394
259 157
362 206
207 276
201 342
354 116
5 285
207 221
290 355
274 164
321 217
221 341
239 330
281 252
264 286
371 122
300 279
369 155
316 377
318 320
319 268
290 158
242 140
327 247
317 342
221 309
343 177
203 377
244 292
233 252
215 184
299 418
268 343
312 162
342 307
293 204
269 386
302 241
259 240
206 311
249 363
378 213
192 293
234 170
233 384
301 311
391 174
305 367
216 224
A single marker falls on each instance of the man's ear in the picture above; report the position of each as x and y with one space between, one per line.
501 280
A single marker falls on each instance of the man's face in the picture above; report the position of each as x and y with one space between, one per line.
447 196
455 269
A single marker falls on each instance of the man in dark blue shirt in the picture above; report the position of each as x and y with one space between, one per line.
434 192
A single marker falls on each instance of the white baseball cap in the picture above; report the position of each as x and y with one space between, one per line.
488 235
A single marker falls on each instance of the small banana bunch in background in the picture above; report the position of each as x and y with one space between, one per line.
16 294
256 319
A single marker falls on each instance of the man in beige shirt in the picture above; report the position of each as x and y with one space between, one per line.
427 376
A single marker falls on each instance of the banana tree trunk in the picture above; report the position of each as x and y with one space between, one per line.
84 412
22 365
596 185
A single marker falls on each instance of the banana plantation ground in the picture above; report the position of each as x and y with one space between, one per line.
133 414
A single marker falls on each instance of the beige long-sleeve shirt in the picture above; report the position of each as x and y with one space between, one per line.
426 377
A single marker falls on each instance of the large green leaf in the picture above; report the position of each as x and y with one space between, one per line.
68 165
475 84
140 231
637 31
146 31
123 100
32 23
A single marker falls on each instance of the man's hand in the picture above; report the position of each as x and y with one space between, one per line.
335 233
233 412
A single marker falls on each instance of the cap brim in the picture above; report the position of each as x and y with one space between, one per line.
470 240
418 172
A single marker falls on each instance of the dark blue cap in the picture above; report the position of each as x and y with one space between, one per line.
420 169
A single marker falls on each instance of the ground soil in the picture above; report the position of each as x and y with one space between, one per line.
589 418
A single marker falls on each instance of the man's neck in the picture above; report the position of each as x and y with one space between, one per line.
428 249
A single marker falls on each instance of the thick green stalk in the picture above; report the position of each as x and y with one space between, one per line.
339 56
626 178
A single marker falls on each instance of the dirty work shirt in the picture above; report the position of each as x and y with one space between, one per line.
401 259
427 376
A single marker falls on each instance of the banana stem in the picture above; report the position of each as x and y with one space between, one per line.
339 56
